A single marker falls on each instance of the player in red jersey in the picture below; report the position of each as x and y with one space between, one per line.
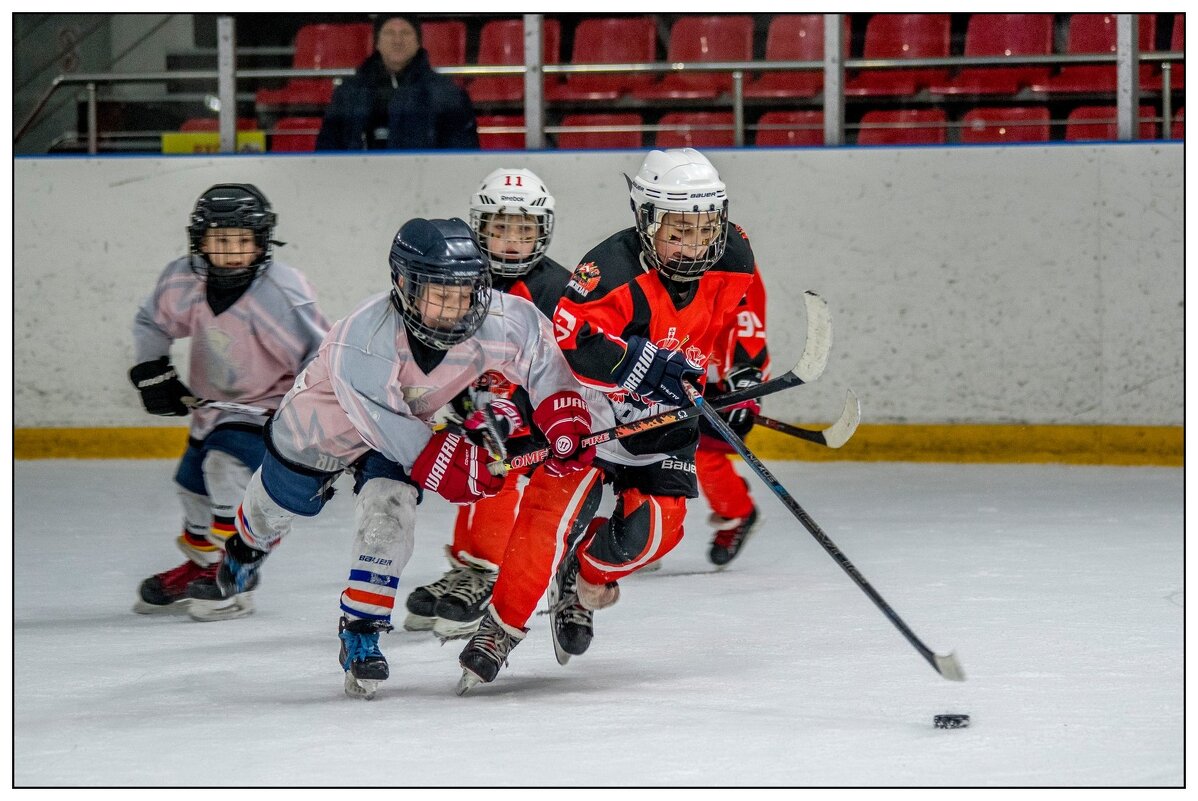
643 312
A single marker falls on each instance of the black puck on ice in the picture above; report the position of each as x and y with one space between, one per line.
951 721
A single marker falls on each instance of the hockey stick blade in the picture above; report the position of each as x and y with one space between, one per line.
833 436
225 406
946 666
818 345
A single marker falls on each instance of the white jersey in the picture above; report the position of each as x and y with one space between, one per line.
364 390
249 353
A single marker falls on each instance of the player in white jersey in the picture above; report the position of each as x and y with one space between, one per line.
365 405
254 323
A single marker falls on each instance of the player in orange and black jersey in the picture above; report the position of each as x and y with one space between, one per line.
512 215
643 312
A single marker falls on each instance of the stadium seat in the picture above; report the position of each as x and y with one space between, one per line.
1005 124
295 135
501 140
1095 33
901 36
320 47
687 136
794 37
1177 43
597 140
1011 35
1177 129
1087 123
501 42
608 40
209 124
922 126
722 37
804 128
445 42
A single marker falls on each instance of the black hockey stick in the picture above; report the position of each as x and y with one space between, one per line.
809 367
833 436
946 666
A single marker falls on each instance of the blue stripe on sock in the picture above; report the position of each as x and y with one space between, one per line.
358 613
377 579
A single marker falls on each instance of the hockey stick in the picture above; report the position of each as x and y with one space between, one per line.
946 666
833 436
809 367
224 406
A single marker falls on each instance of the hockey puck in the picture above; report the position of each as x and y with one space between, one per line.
951 721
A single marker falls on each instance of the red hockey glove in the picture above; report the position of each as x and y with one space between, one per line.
456 469
564 419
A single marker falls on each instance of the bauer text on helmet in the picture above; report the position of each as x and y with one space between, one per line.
681 209
512 216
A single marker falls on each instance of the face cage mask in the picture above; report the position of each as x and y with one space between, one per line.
682 270
511 266
225 277
407 300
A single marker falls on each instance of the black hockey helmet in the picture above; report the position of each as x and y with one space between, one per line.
231 206
431 254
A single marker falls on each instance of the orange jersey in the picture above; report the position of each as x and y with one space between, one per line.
743 342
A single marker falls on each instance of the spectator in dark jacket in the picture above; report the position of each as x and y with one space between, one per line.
395 100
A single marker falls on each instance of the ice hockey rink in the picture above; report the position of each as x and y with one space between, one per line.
1061 589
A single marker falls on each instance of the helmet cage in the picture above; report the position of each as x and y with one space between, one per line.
648 220
506 266
231 206
409 278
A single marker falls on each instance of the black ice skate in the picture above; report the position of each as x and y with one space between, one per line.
487 651
422 601
460 610
231 593
166 592
363 662
571 624
730 537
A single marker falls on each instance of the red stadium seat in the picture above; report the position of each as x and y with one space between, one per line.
502 43
320 47
445 42
1005 124
687 136
505 140
803 128
209 124
901 36
794 37
608 40
1177 43
1011 35
295 135
597 140
1087 123
1095 33
721 37
923 126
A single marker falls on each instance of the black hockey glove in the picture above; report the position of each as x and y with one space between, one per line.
161 390
655 374
742 418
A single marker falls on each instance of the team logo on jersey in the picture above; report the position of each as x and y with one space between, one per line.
585 278
741 231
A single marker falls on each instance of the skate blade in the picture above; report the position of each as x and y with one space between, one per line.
467 683
455 629
178 607
418 623
228 609
360 688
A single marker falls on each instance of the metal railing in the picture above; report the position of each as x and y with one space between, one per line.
1126 58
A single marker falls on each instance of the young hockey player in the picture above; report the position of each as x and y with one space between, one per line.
512 214
364 404
640 315
254 323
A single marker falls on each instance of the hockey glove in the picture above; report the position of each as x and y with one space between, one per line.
161 390
455 468
655 374
564 419
491 426
742 416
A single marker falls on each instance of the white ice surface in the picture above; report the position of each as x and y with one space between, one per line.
1061 589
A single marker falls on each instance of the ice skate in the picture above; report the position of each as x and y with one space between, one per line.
487 651
422 601
460 610
730 537
166 592
570 623
230 594
360 657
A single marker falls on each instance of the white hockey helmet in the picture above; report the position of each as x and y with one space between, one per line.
678 180
513 191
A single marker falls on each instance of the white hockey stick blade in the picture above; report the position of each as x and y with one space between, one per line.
949 667
225 406
843 429
819 339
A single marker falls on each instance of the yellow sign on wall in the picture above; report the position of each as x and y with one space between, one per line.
209 142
